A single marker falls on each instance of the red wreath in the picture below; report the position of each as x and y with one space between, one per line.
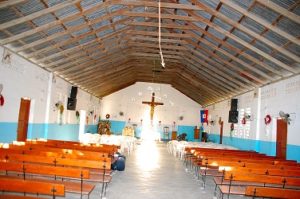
268 119
1 100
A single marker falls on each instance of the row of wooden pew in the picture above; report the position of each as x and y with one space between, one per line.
245 172
54 168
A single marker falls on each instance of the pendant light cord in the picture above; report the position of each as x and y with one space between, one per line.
159 36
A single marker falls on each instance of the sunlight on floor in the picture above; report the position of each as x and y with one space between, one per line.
147 157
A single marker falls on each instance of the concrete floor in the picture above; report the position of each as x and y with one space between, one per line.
152 173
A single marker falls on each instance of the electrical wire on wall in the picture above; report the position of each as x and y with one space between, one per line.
159 36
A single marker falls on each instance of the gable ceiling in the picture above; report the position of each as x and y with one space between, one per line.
213 49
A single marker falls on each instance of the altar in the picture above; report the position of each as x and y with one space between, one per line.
128 131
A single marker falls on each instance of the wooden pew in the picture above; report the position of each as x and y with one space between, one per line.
89 164
30 186
78 146
34 171
255 191
239 181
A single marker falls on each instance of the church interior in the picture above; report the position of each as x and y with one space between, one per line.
131 99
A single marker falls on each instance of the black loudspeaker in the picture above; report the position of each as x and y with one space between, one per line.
234 104
73 93
233 117
71 104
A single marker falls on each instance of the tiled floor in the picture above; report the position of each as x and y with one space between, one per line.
152 173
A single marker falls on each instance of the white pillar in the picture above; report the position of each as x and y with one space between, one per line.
81 124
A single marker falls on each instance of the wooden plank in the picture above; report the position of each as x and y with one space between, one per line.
155 15
247 45
38 14
31 186
261 21
272 192
162 5
280 10
8 3
250 32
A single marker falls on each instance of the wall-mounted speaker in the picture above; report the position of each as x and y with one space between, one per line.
71 104
233 117
234 104
73 93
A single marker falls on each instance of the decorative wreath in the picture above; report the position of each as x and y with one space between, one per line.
1 100
268 119
107 116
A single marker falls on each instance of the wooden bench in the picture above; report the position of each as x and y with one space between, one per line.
78 146
255 191
104 166
30 186
34 171
239 181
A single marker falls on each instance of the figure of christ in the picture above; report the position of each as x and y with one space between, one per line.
152 105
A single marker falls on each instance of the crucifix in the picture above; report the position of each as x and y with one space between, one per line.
152 104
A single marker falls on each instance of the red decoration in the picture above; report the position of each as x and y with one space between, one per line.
244 120
231 127
1 100
268 119
204 116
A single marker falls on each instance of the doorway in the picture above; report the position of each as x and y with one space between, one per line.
281 139
23 119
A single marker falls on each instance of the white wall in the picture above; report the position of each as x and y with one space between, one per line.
85 101
129 101
280 96
21 78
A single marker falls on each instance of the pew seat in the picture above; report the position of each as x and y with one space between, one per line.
272 192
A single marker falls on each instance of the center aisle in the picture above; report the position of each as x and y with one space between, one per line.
152 173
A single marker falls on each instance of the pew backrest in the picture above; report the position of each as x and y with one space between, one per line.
31 186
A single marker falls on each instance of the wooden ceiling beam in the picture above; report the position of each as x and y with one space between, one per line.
125 85
205 79
8 3
163 25
155 15
249 32
244 64
100 69
162 5
226 82
238 51
261 21
75 39
280 10
152 33
217 70
244 43
37 14
48 26
72 49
